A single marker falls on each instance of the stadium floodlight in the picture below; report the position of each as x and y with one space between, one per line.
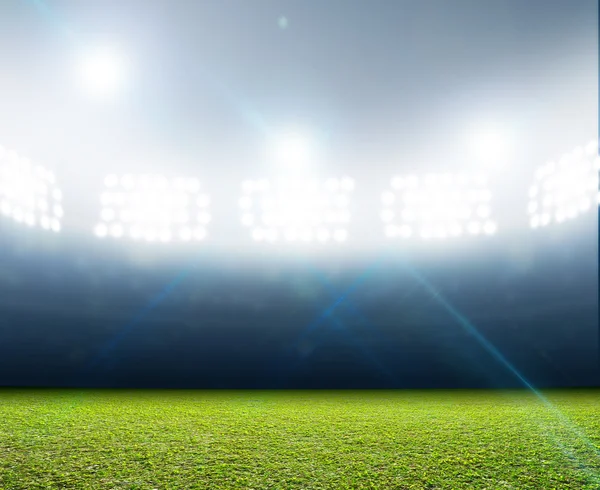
29 194
565 189
297 210
437 206
153 208
102 72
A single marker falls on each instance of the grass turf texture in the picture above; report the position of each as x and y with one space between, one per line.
214 440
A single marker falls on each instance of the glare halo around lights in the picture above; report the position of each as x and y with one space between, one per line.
289 209
297 210
437 206
563 190
28 193
491 146
153 208
293 151
102 72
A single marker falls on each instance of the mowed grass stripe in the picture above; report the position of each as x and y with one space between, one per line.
315 440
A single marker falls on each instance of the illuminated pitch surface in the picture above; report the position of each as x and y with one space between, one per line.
297 439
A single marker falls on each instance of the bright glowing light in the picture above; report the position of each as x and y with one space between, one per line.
296 208
474 227
388 198
45 222
291 234
347 184
271 235
165 236
111 180
116 230
490 146
136 232
203 201
405 231
387 215
439 205
28 192
102 72
107 214
247 219
154 207
490 228
566 189
397 183
591 149
150 235
185 234
245 202
204 218
257 234
293 150
340 235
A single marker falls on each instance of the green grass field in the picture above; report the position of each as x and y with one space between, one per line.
259 440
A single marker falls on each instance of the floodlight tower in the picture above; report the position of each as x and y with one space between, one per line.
296 206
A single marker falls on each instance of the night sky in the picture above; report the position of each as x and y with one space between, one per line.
384 87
